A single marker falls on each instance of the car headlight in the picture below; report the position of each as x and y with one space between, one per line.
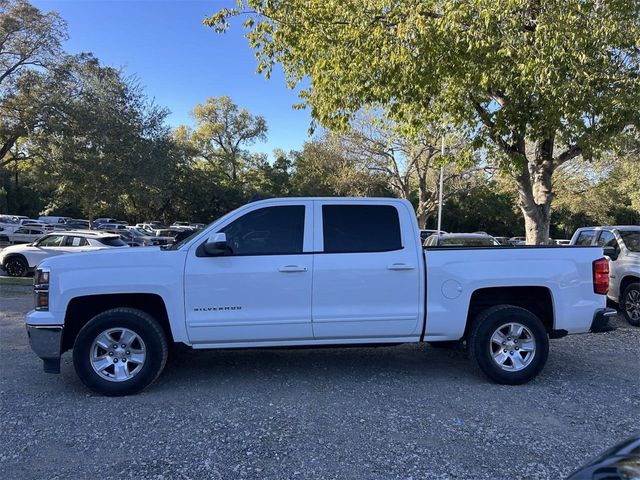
41 288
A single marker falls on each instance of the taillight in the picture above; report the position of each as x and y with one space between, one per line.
601 276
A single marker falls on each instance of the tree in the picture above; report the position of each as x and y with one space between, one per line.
562 75
324 169
224 130
29 49
107 140
411 163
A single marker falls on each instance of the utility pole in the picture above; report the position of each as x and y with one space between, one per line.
440 196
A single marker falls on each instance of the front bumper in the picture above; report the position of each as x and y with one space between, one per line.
46 341
600 322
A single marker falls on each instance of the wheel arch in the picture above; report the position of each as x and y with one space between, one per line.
536 299
82 309
626 281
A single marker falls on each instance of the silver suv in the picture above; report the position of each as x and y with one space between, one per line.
622 245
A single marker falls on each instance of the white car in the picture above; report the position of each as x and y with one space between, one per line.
26 234
308 271
18 260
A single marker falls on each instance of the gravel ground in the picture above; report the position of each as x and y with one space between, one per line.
373 413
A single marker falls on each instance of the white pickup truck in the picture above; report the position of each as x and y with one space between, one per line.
314 272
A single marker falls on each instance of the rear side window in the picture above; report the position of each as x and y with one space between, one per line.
586 237
607 239
360 228
75 241
112 241
267 231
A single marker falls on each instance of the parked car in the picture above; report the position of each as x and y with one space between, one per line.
30 222
621 462
9 223
79 224
150 236
111 226
18 260
198 226
518 240
181 225
100 221
26 235
426 233
559 241
461 240
305 271
167 232
50 219
502 240
622 245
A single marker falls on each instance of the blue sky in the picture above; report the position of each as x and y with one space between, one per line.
181 62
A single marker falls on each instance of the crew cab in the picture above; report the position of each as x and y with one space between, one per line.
310 272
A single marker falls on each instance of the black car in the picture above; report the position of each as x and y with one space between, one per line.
621 462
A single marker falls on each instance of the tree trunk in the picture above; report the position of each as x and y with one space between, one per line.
535 193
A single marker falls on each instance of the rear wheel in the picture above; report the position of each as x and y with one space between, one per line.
16 266
509 344
630 304
120 352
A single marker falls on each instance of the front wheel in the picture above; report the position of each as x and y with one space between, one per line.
120 352
509 344
16 267
630 304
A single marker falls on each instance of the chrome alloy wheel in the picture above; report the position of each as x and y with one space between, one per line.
117 354
512 347
632 304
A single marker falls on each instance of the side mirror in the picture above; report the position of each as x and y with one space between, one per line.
611 252
217 245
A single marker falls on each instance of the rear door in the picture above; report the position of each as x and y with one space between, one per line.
366 273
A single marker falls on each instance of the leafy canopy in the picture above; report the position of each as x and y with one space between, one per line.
518 69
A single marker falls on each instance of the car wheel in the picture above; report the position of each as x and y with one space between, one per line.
509 344
630 304
16 266
120 352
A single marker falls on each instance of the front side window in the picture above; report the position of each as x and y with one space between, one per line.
267 231
586 237
360 228
51 241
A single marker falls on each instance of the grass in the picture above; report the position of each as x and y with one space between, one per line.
16 281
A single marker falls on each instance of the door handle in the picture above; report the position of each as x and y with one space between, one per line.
400 266
292 268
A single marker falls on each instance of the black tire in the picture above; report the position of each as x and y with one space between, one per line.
629 303
480 345
16 266
453 344
143 325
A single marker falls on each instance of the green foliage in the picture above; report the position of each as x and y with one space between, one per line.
562 75
222 132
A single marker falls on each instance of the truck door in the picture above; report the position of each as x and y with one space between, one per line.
261 290
366 274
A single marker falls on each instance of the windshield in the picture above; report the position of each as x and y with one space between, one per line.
631 240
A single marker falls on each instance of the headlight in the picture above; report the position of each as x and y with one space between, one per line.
41 288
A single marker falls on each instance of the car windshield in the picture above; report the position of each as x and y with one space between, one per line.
466 242
631 239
